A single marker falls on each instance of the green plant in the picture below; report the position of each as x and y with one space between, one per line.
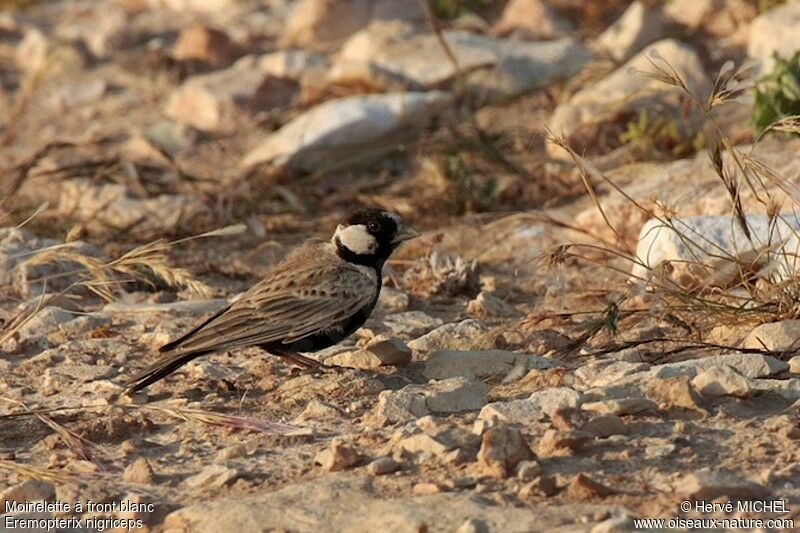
778 93
470 194
660 135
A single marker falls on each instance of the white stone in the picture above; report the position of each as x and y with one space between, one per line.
533 409
455 335
794 364
411 322
607 372
337 131
626 89
721 381
446 396
775 336
747 364
695 249
213 476
477 364
775 31
635 29
495 67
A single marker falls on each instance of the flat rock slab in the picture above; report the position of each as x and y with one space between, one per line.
345 129
341 503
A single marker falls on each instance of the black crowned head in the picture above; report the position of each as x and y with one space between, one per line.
369 237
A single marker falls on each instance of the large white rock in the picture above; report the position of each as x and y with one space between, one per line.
494 67
341 130
627 91
635 29
534 408
775 31
698 248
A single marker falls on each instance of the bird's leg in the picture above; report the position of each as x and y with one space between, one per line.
296 359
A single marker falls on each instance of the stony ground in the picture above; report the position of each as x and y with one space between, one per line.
514 377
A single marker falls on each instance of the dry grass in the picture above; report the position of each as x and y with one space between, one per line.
752 292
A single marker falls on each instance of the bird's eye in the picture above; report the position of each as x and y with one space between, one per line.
374 227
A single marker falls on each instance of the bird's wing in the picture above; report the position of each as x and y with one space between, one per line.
287 306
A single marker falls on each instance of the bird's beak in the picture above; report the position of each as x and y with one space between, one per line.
405 233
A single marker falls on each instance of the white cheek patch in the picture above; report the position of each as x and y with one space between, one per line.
357 239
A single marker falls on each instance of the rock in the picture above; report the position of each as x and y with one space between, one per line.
382 466
338 457
390 350
214 101
206 44
541 486
139 472
75 95
445 441
502 449
607 372
487 304
532 19
325 23
458 335
45 322
534 408
111 206
622 407
624 93
690 13
747 364
473 526
775 32
292 64
721 381
202 6
528 470
337 131
31 490
598 425
659 450
411 323
319 410
775 337
788 388
109 32
426 488
618 524
21 269
211 477
794 364
583 487
453 395
495 68
674 391
477 364
32 51
560 443
635 29
704 262
708 485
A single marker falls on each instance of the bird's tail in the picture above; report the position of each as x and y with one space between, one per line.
161 368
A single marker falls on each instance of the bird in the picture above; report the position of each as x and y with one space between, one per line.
319 294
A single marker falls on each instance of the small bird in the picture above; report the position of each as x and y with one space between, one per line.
321 293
